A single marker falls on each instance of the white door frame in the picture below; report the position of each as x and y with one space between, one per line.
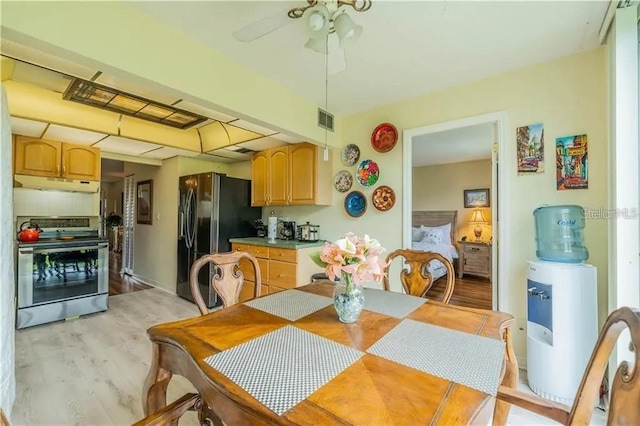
498 201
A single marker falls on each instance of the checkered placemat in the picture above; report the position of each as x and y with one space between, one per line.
396 305
468 359
284 367
291 304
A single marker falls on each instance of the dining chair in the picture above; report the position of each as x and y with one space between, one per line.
624 405
227 281
417 280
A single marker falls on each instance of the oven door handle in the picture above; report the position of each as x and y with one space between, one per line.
60 250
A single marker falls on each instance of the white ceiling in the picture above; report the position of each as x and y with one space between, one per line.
453 146
407 48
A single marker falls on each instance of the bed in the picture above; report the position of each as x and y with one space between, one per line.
434 231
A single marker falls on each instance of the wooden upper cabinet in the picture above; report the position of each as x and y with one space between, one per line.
295 175
41 157
37 157
302 173
80 162
260 179
279 174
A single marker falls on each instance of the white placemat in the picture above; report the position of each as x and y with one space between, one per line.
291 304
397 305
284 367
468 359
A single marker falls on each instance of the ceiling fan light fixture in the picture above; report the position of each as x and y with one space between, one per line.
348 31
318 44
316 20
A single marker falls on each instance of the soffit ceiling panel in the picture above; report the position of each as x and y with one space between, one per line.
168 152
213 136
43 59
252 127
262 144
219 159
24 127
207 112
42 77
231 154
70 134
287 138
126 146
140 90
6 67
237 135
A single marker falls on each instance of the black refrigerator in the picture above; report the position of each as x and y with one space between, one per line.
213 208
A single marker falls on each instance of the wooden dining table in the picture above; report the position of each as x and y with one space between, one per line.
285 359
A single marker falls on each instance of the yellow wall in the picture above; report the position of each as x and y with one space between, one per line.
568 95
441 187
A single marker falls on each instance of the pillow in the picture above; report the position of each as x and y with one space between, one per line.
444 229
432 236
416 234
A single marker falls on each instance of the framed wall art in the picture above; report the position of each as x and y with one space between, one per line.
144 205
530 149
476 198
572 165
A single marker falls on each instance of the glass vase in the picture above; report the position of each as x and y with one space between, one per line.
348 299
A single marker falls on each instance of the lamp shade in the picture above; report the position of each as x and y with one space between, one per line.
316 21
347 31
478 217
318 44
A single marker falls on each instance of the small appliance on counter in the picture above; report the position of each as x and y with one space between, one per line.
272 228
288 230
260 229
308 232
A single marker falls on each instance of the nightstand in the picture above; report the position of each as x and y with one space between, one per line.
475 259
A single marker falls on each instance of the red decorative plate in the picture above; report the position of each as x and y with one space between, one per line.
384 137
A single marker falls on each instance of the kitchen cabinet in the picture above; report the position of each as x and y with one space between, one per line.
292 175
41 157
280 268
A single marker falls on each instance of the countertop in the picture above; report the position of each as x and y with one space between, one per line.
287 244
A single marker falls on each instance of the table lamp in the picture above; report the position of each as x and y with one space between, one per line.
477 220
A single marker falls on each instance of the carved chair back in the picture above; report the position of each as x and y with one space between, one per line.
417 280
227 279
624 406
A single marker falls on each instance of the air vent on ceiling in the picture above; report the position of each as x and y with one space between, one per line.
325 119
245 151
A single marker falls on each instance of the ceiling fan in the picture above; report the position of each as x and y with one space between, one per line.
321 18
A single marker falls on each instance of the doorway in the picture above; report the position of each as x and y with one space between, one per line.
496 196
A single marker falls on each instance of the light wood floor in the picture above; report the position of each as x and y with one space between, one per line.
90 371
121 284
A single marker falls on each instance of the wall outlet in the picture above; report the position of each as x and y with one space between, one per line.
521 326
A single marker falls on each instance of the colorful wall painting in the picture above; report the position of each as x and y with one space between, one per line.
530 149
572 164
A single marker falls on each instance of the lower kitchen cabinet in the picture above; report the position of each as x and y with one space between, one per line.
280 268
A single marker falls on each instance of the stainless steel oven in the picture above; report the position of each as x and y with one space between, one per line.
61 278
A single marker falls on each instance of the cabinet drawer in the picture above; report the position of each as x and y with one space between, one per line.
256 251
480 269
264 290
273 289
476 250
282 274
248 291
247 270
284 255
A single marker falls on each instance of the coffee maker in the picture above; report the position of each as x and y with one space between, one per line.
288 230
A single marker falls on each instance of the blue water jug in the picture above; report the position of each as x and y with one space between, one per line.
559 234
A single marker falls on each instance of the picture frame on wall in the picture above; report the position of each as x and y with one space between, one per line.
144 205
476 198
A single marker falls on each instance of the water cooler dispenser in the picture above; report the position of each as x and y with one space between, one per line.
562 307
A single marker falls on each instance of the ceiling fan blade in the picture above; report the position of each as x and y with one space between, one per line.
337 57
262 27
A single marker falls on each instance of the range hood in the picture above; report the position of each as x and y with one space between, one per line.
60 184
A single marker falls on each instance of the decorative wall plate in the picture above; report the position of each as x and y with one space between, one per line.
384 137
350 154
343 181
355 204
383 198
368 173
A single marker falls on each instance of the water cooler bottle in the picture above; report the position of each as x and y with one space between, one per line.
562 305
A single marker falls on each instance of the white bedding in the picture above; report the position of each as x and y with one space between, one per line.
437 268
